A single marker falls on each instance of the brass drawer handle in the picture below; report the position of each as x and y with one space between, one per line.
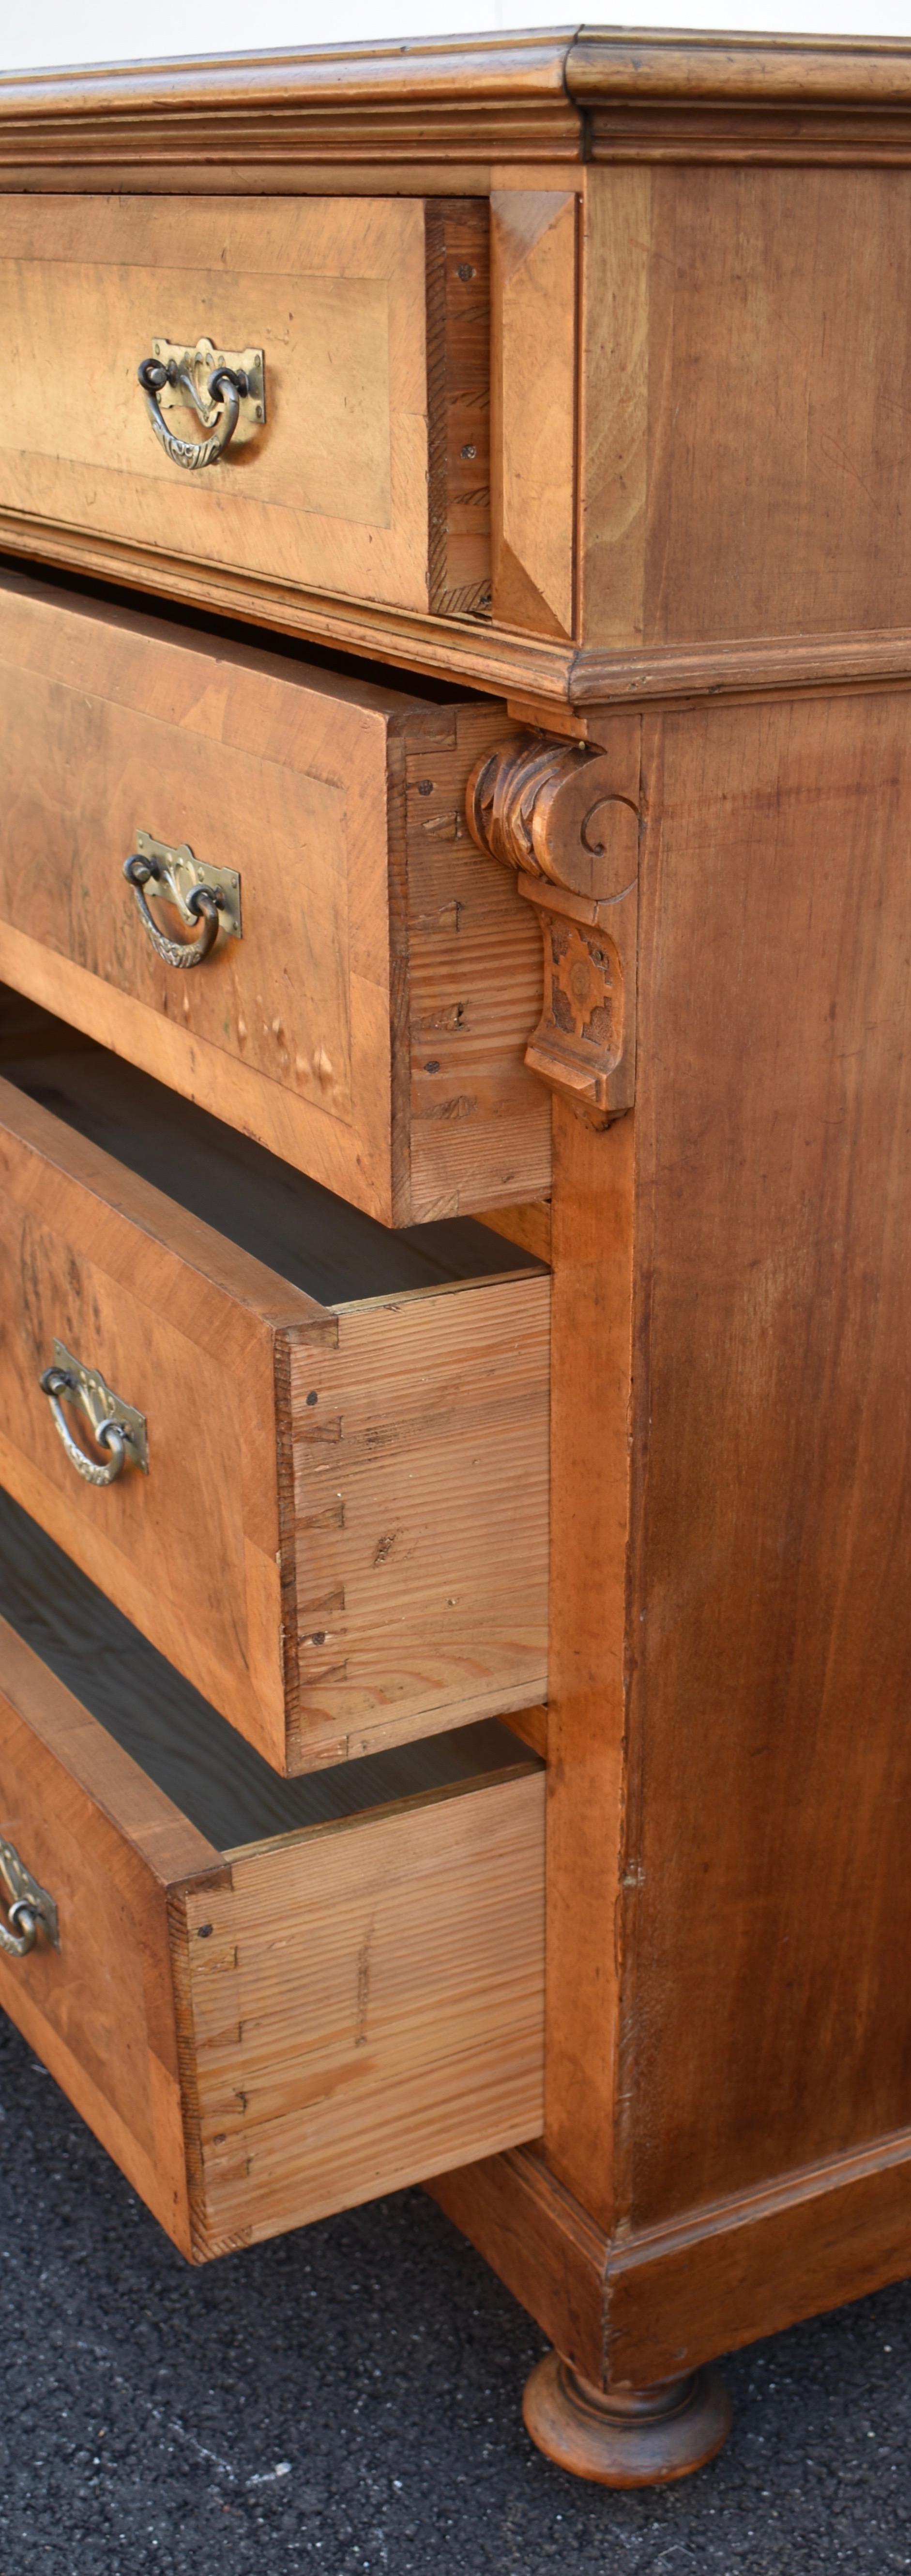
27 1905
115 1426
202 378
209 897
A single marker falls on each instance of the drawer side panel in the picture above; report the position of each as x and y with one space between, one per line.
369 2009
421 1497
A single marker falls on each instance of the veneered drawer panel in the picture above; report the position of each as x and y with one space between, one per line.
329 2008
369 1024
342 1535
371 314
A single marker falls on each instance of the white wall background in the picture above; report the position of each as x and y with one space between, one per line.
36 32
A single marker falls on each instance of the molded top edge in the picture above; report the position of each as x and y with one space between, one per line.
678 64
509 94
588 62
478 68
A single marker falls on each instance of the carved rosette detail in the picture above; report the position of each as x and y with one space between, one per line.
552 812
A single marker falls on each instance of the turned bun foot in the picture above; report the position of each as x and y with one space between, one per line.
633 2438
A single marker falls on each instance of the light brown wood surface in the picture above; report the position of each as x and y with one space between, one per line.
533 392
528 1226
434 107
347 2024
342 1537
698 382
541 2242
458 405
726 223
331 489
727 2046
314 2021
429 103
106 1844
190 1331
744 388
771 1487
369 1025
593 1222
421 1513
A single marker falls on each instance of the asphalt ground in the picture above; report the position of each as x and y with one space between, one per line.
348 2398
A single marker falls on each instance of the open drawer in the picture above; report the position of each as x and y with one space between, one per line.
269 2000
366 1003
337 1526
357 458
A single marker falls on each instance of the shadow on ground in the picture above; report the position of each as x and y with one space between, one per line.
348 2399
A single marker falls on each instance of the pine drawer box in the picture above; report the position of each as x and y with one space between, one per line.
268 2001
338 1530
359 459
369 1021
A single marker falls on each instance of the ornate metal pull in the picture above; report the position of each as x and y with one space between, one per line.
206 896
203 377
115 1426
28 1907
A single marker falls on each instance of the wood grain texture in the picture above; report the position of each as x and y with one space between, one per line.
775 486
186 1328
591 1357
349 2034
727 2047
760 1883
458 405
281 119
106 1843
649 2305
565 817
469 651
504 96
533 277
678 2295
560 686
614 404
261 2041
331 490
368 1025
772 1483
468 971
540 2241
527 1226
194 1757
420 1445
327 1543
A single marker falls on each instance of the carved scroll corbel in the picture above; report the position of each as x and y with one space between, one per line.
551 811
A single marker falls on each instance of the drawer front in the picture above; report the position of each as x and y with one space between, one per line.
370 1022
341 1539
262 2038
371 316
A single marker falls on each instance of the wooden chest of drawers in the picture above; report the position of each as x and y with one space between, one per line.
456 561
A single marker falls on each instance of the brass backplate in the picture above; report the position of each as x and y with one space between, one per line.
20 1888
179 874
98 1402
196 366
